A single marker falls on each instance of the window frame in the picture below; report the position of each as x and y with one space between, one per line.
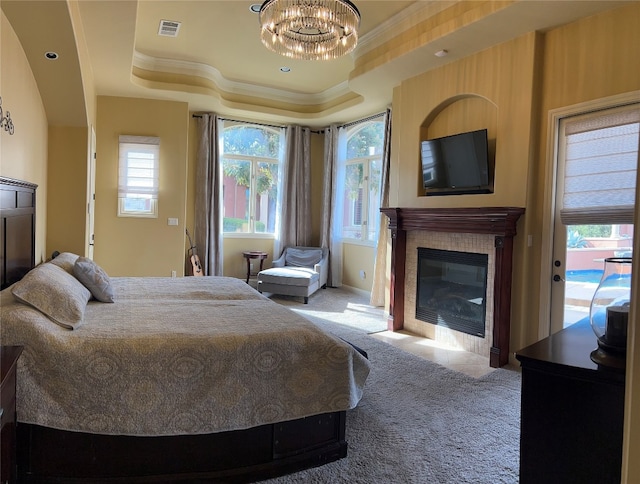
369 235
254 161
128 144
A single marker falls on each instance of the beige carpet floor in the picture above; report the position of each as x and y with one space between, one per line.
417 422
339 305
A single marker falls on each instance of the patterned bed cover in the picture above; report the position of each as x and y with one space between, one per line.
175 356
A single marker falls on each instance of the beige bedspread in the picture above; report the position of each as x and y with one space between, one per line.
178 356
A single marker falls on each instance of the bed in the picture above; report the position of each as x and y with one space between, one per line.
176 379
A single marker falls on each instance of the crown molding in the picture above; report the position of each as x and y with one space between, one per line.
210 73
402 21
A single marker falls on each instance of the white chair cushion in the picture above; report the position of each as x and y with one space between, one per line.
289 276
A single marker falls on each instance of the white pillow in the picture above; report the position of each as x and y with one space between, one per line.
54 292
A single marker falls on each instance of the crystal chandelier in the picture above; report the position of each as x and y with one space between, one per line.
309 29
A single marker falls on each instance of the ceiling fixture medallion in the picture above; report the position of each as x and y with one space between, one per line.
309 29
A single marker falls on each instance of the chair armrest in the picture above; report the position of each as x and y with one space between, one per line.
278 262
322 268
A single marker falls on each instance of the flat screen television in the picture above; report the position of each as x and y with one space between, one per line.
456 164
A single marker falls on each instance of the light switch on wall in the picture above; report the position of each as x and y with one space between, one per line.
172 221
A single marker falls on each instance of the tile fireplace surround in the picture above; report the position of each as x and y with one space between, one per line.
499 222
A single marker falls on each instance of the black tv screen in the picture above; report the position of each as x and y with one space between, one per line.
457 164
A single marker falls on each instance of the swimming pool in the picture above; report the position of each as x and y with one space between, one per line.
584 275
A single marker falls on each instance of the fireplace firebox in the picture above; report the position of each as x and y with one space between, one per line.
452 289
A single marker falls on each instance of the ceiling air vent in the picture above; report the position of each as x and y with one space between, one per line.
169 28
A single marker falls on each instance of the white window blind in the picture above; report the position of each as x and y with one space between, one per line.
139 166
600 165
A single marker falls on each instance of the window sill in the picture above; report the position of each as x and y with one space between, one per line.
363 243
245 235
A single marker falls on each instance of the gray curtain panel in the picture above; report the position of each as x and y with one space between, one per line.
329 195
378 289
208 199
295 222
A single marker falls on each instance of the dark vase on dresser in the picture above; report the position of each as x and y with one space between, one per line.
572 411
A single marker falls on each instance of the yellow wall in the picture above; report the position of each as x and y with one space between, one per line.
88 83
129 246
493 89
67 179
23 155
356 258
90 100
501 76
234 264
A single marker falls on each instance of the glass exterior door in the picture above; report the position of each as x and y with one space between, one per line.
596 161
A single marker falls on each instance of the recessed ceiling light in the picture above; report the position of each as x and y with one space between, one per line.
51 55
255 7
441 53
285 69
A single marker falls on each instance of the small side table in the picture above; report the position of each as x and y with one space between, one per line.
254 254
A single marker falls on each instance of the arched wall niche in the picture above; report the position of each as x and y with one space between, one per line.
459 114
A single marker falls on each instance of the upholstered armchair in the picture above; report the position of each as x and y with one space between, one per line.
300 271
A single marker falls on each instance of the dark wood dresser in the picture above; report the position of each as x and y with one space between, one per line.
572 412
8 362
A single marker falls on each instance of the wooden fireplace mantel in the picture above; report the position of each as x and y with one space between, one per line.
497 221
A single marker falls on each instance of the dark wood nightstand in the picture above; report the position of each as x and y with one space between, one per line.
8 362
572 412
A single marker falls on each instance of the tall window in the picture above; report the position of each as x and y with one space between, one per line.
138 179
251 166
362 177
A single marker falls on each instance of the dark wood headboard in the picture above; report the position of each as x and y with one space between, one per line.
17 229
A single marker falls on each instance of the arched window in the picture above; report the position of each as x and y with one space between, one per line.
362 177
251 156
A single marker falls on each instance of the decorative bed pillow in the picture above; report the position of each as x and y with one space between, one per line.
303 257
94 278
54 292
65 260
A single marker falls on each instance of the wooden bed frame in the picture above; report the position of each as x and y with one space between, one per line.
47 455
17 230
